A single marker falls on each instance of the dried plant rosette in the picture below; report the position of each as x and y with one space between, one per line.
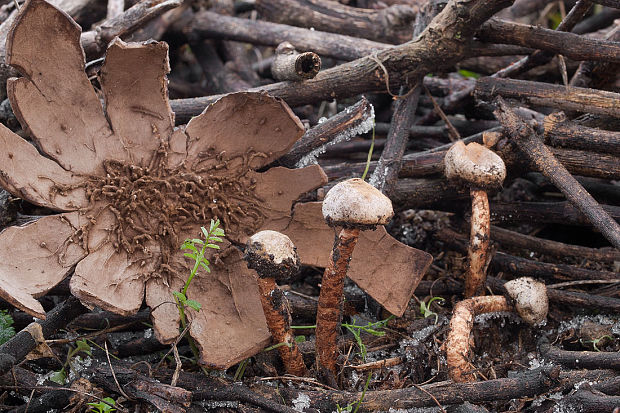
129 188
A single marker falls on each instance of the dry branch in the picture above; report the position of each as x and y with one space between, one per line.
448 32
532 145
571 45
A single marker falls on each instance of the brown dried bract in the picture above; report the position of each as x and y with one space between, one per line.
130 188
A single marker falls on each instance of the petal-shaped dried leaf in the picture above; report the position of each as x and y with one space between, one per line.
55 100
383 267
111 280
35 257
28 175
242 128
133 79
277 189
230 326
164 311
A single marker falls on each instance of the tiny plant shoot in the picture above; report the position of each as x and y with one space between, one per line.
197 249
6 327
104 406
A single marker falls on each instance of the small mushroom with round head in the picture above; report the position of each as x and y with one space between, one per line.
353 205
482 169
530 299
526 296
274 257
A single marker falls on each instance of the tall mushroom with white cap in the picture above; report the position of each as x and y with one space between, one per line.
274 257
481 169
353 205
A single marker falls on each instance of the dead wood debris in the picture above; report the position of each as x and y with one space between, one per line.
541 78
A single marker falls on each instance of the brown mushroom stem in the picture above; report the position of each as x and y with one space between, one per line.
457 343
329 311
278 318
475 278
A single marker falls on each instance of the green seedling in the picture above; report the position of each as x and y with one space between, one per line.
353 407
425 309
104 406
81 346
197 249
6 327
370 328
356 330
372 147
595 341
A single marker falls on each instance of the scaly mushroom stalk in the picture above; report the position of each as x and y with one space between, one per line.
481 169
274 256
530 301
329 311
354 205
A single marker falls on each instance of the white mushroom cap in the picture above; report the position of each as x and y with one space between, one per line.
474 164
272 254
530 299
356 203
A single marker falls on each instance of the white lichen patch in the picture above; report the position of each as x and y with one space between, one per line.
363 127
301 402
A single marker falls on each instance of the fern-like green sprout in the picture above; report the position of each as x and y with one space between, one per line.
104 406
197 249
81 346
6 327
356 330
425 309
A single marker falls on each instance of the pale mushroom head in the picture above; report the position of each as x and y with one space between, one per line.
475 165
355 203
273 255
530 299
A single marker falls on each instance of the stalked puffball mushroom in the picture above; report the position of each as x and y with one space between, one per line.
274 257
526 296
529 298
353 205
481 169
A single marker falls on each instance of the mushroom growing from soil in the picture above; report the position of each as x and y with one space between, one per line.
353 205
481 169
525 296
274 257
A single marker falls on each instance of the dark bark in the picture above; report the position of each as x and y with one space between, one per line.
16 349
555 96
548 247
392 24
540 57
337 126
570 45
448 32
580 359
532 145
560 132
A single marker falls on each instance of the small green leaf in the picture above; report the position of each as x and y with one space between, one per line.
205 266
215 247
190 255
59 377
180 296
193 304
205 232
219 232
83 346
300 339
215 239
